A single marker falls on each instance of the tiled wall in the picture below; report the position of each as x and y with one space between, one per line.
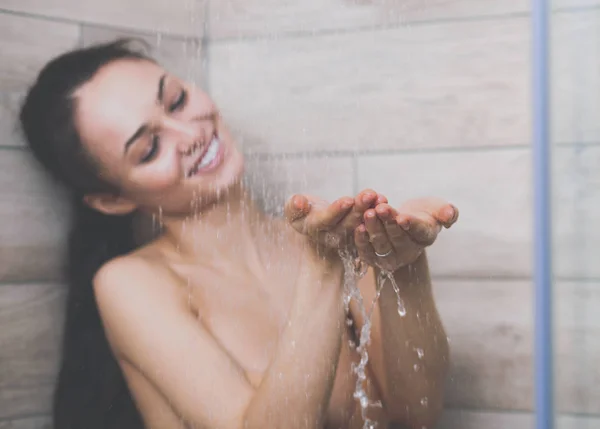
411 97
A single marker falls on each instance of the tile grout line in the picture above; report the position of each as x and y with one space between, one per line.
453 278
382 152
296 34
355 181
515 412
206 44
299 34
103 25
456 409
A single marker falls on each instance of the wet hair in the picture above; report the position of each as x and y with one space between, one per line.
91 392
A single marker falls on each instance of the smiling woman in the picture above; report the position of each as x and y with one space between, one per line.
229 318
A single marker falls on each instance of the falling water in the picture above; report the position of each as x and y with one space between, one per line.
351 291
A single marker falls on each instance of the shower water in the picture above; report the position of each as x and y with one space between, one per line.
352 273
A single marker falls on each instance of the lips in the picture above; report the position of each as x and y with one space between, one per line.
206 157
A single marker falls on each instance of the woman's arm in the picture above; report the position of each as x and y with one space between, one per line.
409 351
153 330
409 354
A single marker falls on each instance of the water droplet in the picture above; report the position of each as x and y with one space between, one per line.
424 401
420 353
351 291
390 276
364 401
416 367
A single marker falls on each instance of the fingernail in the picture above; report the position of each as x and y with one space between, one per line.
454 212
367 198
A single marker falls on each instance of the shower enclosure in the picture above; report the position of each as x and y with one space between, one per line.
491 104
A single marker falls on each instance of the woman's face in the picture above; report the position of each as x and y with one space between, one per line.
158 139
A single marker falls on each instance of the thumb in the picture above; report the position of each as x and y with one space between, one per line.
296 210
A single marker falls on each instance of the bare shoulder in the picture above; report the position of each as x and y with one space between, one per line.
142 268
131 290
129 274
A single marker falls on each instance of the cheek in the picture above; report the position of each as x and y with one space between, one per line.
161 175
200 104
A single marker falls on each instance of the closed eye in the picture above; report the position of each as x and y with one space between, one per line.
180 102
151 153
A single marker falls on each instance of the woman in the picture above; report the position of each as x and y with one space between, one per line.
229 318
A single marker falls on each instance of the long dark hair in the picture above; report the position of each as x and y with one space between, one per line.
91 392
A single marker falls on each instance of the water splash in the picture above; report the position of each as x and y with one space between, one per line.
157 222
420 353
351 292
352 274
386 275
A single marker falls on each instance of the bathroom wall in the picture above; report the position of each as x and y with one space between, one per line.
412 98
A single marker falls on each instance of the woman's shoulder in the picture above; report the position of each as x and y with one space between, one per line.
141 269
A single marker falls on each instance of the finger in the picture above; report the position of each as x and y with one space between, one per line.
423 229
387 214
443 212
381 199
296 209
364 201
327 218
311 215
447 215
363 245
377 234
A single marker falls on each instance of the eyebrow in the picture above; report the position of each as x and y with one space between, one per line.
142 129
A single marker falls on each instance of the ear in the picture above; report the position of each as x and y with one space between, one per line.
110 204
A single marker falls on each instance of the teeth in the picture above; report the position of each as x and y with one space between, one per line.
209 156
211 153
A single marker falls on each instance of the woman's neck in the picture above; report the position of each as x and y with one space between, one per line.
230 229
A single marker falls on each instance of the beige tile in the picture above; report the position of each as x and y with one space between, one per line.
575 80
489 324
274 180
493 191
452 84
473 419
10 133
31 317
41 422
577 351
245 18
491 332
17 401
185 17
24 52
181 56
576 210
33 219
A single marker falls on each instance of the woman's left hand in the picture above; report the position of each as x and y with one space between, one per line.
392 238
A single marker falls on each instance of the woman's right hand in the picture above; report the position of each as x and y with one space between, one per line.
330 226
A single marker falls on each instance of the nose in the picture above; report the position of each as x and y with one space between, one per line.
186 133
